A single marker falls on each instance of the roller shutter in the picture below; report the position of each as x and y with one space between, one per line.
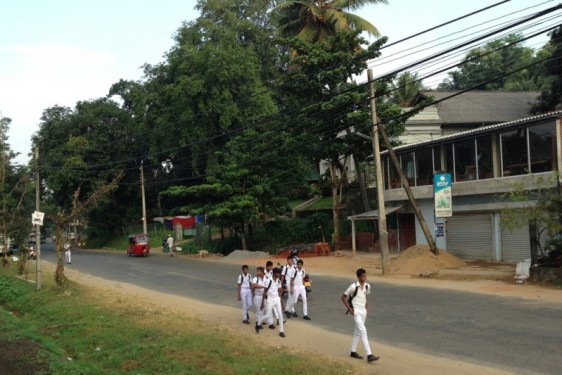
516 243
469 236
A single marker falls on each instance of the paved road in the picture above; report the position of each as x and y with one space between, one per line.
513 334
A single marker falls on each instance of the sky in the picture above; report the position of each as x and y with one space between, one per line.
59 52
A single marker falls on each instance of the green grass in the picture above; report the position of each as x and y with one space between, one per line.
324 203
106 332
296 202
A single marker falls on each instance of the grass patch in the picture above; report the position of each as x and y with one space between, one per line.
325 203
107 332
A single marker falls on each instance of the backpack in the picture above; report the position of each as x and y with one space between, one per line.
351 297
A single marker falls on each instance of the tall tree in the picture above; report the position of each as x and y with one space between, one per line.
317 20
482 66
405 87
14 184
551 95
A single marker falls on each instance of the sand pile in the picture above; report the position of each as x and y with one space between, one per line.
419 260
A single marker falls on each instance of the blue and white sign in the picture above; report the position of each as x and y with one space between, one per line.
442 195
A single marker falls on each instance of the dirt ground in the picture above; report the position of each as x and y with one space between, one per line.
478 277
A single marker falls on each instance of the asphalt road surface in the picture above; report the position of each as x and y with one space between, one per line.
521 336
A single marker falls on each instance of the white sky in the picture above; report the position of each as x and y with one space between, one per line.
58 52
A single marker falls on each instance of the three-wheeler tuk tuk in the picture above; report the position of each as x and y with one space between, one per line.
138 245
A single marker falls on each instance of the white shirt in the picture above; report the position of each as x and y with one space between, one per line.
360 300
288 271
299 277
244 280
258 292
273 291
268 274
170 241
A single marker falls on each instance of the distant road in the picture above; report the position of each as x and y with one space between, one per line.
521 336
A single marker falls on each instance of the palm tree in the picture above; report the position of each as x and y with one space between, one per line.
316 20
405 87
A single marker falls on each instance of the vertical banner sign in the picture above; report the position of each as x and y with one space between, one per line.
442 195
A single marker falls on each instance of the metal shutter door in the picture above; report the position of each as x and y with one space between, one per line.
516 244
469 236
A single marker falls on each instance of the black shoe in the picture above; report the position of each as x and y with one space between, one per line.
288 315
263 324
372 358
306 317
271 326
247 316
295 315
355 355
282 334
246 321
257 329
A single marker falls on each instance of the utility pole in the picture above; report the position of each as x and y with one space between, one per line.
383 233
405 184
144 226
37 227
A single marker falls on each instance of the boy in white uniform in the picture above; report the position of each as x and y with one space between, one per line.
355 300
259 284
298 290
67 253
272 301
286 275
245 293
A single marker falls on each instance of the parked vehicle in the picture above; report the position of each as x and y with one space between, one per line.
138 245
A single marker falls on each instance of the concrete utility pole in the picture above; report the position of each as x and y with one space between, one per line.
144 226
37 227
405 184
383 233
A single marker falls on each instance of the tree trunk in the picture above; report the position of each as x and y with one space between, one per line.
59 241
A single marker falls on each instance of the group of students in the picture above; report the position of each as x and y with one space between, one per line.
264 292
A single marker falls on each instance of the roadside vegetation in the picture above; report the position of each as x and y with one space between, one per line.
79 329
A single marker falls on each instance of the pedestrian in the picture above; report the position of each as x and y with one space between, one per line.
286 275
271 301
355 301
269 275
245 293
259 283
67 253
171 245
298 290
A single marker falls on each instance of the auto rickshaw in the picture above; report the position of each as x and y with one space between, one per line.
138 245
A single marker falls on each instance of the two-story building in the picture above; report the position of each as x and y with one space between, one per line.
485 163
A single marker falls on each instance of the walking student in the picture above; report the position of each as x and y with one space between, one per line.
286 275
245 293
355 301
271 301
259 283
67 252
298 290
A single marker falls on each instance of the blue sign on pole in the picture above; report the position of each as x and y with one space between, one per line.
442 195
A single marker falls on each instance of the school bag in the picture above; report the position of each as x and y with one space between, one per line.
351 297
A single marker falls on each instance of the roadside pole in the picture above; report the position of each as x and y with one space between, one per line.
37 227
383 233
144 225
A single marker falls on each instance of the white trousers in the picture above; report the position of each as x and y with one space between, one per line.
288 307
299 290
259 311
271 305
67 256
246 297
360 331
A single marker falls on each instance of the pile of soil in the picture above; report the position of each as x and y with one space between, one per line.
418 260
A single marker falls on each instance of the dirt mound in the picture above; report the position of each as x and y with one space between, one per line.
419 260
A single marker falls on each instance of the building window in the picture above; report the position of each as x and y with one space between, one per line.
449 160
514 152
465 166
542 144
394 178
409 167
424 167
484 157
437 160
